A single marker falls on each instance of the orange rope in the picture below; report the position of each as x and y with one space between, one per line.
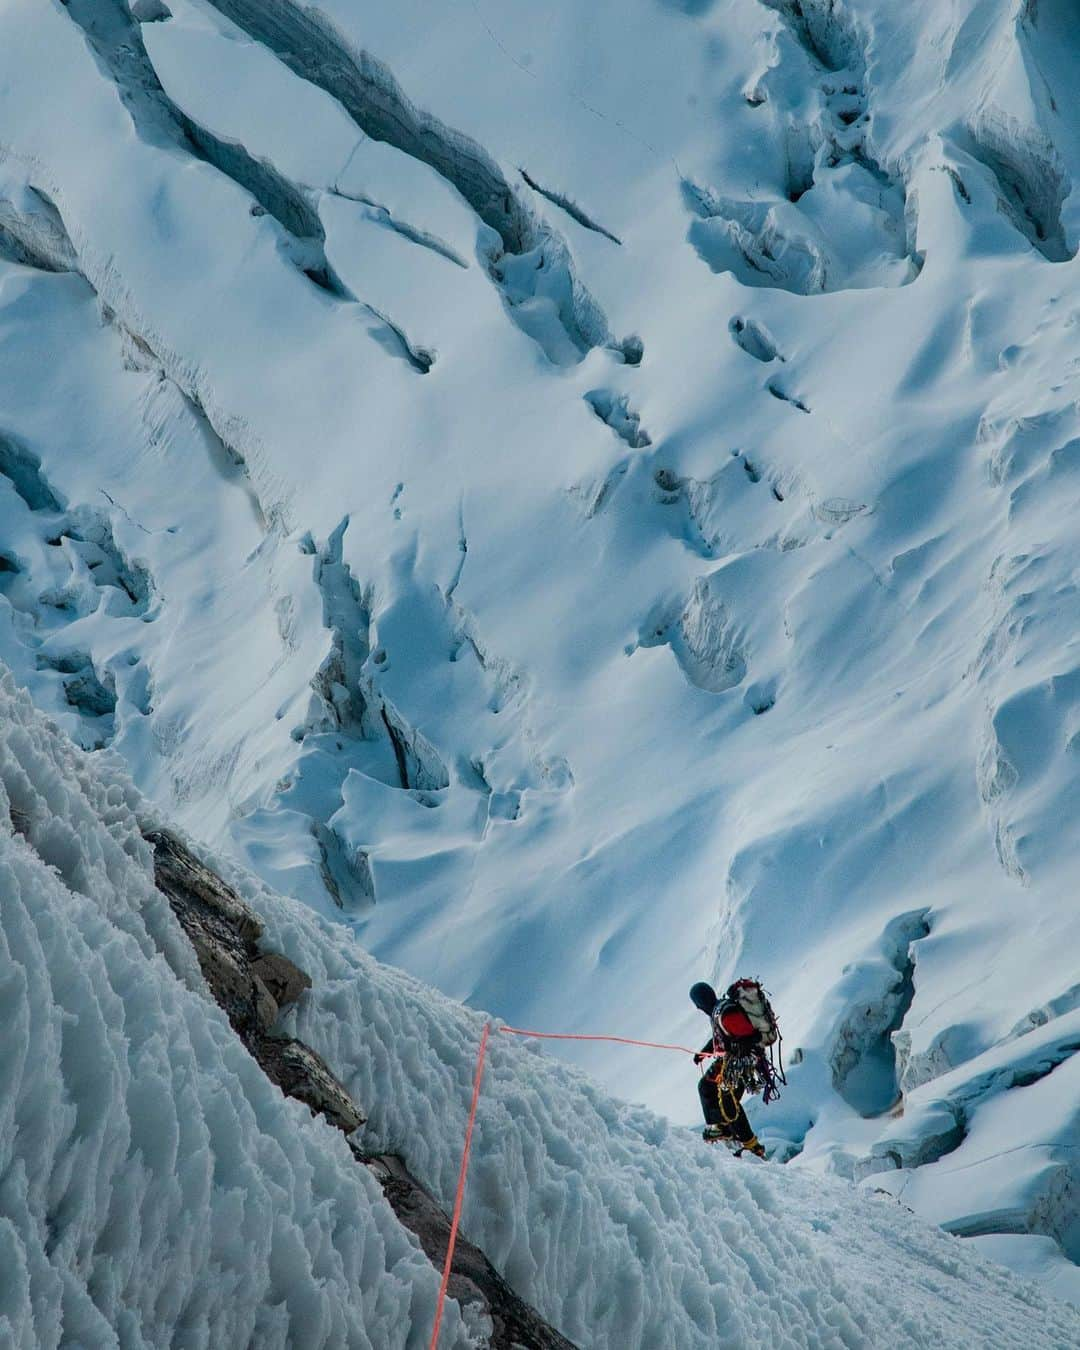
622 1040
460 1187
459 1198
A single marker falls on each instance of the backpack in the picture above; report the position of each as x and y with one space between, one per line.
743 1020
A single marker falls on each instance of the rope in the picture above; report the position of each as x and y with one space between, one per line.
460 1187
460 1196
621 1040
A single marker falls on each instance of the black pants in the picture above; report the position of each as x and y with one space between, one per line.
722 1106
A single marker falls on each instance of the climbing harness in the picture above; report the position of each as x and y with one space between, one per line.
748 1072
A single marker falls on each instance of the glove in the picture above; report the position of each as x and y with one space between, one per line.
700 1057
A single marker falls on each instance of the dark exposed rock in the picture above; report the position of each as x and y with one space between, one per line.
265 1007
182 878
303 1074
285 981
222 930
251 986
473 1278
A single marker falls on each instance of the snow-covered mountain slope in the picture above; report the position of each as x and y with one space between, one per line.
156 1189
586 502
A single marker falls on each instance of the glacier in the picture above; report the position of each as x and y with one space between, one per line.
158 1189
585 506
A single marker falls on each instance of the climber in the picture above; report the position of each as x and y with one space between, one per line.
743 1025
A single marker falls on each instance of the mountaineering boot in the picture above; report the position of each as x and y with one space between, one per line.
717 1134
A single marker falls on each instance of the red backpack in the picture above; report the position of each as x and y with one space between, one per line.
743 1020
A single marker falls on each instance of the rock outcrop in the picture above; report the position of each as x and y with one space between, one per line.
473 1279
252 986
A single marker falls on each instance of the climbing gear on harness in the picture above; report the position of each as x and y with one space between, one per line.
746 1071
745 1030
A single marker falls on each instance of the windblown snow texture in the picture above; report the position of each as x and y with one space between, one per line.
156 1189
589 506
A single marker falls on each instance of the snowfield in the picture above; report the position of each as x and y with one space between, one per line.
586 503
157 1189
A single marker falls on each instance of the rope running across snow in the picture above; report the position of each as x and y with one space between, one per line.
460 1185
567 1036
463 1173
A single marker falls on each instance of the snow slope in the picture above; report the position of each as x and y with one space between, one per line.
587 505
157 1189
